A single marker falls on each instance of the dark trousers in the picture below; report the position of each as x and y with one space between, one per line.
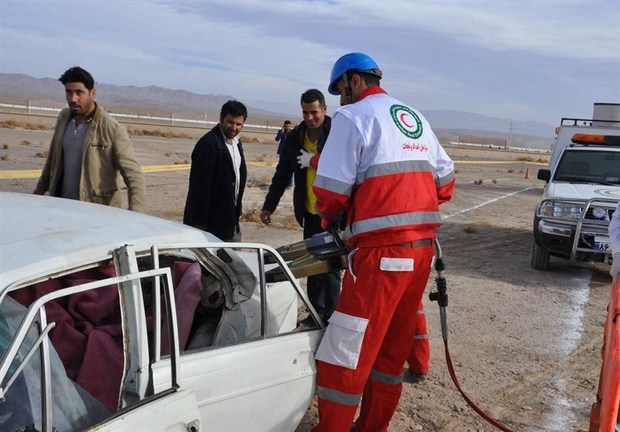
324 289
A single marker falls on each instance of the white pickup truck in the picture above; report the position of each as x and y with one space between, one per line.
582 190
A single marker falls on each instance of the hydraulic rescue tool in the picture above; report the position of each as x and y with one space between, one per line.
318 254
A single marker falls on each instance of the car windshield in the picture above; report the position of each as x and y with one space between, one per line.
602 167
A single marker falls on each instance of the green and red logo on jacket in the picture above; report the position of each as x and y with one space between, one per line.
407 121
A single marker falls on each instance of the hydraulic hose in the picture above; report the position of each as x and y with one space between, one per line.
441 297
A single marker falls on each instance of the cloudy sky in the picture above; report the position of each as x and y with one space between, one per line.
518 60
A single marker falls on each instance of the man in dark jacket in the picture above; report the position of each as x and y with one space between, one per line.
217 177
281 137
300 158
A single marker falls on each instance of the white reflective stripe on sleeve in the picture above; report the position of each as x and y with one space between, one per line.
442 181
342 341
396 264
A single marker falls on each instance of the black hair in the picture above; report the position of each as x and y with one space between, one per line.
235 109
312 95
370 79
77 74
287 122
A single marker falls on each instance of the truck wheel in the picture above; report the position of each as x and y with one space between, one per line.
540 258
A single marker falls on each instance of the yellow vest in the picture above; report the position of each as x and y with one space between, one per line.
312 147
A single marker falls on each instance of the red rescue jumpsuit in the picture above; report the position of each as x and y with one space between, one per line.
383 165
420 353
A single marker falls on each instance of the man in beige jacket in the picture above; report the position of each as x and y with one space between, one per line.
88 150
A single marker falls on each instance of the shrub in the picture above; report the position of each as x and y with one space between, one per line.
252 214
246 139
262 182
526 159
9 124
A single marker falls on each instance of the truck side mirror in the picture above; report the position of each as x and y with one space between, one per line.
544 174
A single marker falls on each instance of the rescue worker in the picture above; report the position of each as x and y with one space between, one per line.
384 166
614 234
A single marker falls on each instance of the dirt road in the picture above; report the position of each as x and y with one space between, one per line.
525 344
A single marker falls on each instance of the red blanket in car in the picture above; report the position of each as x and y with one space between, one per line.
88 334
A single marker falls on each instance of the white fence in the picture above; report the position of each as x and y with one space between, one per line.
51 108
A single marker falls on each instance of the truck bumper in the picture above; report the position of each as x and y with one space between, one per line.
563 240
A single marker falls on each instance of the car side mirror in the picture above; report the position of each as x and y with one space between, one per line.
544 174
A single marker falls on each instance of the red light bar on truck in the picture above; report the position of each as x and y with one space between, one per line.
594 139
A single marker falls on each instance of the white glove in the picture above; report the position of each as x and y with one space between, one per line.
615 267
304 158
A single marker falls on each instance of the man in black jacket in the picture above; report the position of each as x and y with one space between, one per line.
217 177
300 158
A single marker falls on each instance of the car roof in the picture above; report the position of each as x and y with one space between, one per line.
40 234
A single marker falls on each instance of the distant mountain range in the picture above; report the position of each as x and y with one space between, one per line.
158 99
151 98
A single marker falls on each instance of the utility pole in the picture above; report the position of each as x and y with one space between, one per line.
509 136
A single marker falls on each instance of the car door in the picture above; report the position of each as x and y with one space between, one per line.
173 411
170 408
262 377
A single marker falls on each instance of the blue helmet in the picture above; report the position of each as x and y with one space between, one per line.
352 61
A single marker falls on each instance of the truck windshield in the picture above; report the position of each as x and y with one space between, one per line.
595 166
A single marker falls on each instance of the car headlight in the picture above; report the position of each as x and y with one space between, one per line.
561 209
599 212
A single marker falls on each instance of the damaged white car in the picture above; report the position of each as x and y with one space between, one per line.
112 320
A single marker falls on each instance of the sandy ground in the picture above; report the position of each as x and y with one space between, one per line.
525 344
